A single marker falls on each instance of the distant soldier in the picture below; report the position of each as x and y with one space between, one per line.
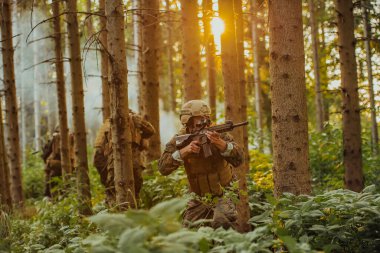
51 154
205 175
141 131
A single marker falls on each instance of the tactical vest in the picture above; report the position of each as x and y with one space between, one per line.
208 175
56 147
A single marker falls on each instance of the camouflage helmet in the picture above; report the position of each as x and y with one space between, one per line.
194 108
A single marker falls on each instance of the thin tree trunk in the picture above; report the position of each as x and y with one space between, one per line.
104 62
315 44
210 56
241 75
79 126
23 87
5 190
172 84
256 73
191 50
138 55
367 35
352 151
323 68
230 67
120 124
36 99
151 46
11 103
61 95
90 28
289 110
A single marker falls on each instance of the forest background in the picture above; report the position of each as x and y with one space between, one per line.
183 46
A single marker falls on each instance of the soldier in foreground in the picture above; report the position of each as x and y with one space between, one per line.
141 131
205 175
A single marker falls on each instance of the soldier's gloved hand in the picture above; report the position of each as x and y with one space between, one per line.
192 148
215 139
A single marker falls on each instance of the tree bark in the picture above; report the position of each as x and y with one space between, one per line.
230 65
138 53
368 35
61 94
210 56
120 123
315 44
256 73
11 103
190 50
90 28
289 110
352 151
172 83
150 59
241 75
5 190
104 62
79 126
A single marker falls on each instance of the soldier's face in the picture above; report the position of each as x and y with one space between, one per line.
197 123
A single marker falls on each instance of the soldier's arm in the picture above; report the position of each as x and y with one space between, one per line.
233 153
169 160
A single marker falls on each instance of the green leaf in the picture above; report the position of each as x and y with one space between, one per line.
168 210
132 240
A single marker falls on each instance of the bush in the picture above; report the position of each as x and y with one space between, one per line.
33 176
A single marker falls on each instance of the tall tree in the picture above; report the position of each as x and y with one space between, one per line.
90 28
120 123
5 191
241 74
368 35
210 56
315 44
138 55
150 59
289 111
191 50
104 62
11 107
352 147
172 83
230 65
61 94
256 71
79 126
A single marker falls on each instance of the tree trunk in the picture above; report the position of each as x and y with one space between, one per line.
23 87
61 94
315 44
120 124
172 84
104 62
289 110
190 50
11 103
241 75
256 73
352 151
367 35
210 56
230 67
79 126
37 98
150 59
90 28
5 191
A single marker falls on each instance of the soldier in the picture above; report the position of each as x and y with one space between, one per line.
51 154
141 131
205 175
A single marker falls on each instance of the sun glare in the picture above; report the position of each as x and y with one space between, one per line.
217 26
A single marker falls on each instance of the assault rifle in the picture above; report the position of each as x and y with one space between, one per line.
200 135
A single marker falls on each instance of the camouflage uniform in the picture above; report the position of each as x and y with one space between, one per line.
52 157
103 158
206 176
